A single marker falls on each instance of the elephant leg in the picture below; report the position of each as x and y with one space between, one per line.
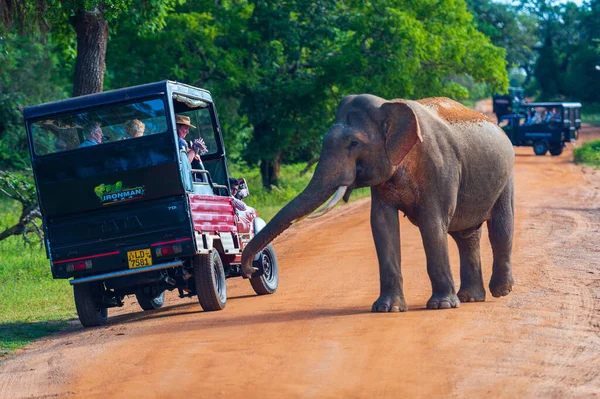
501 228
471 279
438 264
385 226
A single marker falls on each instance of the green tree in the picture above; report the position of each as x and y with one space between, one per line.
582 78
511 28
25 63
90 20
561 35
282 68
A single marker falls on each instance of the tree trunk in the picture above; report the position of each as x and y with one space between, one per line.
269 171
90 65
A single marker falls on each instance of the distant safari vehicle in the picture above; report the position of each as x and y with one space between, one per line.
545 126
124 209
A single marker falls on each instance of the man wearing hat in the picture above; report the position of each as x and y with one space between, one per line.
183 128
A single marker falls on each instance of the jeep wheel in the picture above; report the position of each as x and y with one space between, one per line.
556 150
150 303
209 277
87 299
540 148
268 282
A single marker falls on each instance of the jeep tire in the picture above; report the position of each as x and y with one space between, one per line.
87 302
268 282
556 150
150 303
540 147
209 277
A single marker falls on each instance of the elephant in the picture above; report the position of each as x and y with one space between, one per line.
448 168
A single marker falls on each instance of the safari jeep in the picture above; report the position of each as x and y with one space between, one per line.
128 214
546 126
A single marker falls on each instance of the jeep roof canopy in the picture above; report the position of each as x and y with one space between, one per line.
551 104
77 103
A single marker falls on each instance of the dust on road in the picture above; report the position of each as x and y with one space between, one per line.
316 336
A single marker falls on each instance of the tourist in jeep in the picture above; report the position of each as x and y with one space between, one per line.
134 128
197 147
95 137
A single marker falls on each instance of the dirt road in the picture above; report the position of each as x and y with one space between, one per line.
317 338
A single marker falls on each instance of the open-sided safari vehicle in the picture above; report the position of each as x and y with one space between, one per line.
129 215
544 126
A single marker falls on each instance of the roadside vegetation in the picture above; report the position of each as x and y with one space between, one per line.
588 153
590 113
32 303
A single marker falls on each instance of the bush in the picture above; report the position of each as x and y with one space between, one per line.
588 153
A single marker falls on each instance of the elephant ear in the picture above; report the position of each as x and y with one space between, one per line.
401 129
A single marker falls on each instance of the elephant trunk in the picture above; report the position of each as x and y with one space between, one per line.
303 205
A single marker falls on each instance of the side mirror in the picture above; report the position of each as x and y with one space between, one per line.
242 189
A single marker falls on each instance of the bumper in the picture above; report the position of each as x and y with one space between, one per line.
122 273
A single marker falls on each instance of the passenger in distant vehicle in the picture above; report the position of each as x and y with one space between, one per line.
94 137
529 119
554 116
134 128
537 118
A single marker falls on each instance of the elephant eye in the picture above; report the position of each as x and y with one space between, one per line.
353 143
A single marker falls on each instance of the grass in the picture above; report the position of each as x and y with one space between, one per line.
33 305
588 153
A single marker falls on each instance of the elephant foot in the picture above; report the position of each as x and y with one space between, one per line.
389 303
443 301
501 286
471 294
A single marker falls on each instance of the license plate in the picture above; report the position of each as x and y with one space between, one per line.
139 258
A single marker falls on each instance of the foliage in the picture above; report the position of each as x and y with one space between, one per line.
588 153
41 16
25 63
283 67
590 113
567 55
509 28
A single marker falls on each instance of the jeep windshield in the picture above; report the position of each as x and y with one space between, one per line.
77 131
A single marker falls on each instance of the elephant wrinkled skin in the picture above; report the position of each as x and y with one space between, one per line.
446 167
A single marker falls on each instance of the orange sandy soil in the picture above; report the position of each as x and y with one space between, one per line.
316 337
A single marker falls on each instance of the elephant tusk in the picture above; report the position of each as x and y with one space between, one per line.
336 198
